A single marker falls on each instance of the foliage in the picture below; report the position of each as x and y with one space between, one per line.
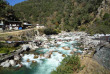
64 14
7 48
69 65
49 31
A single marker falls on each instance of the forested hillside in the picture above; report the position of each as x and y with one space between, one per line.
6 11
64 14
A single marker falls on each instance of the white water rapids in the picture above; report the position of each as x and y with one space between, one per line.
46 65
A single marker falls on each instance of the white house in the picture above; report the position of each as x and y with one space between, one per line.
40 26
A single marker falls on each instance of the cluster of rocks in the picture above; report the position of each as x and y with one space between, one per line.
8 60
11 62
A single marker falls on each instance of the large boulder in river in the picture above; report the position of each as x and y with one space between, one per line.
12 62
5 64
66 48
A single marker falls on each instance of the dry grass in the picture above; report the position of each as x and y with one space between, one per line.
92 67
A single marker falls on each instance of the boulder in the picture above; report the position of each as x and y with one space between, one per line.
5 64
12 62
28 60
63 55
66 48
16 57
33 61
35 56
74 50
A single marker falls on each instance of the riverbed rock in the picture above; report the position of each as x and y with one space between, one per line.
33 61
5 64
12 62
35 56
66 48
48 54
25 47
16 57
74 50
28 60
63 55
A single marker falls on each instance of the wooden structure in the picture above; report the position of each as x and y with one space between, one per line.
12 25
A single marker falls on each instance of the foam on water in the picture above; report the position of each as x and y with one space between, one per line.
46 65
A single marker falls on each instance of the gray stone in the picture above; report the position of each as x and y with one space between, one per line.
12 62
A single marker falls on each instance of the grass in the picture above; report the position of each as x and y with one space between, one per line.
91 67
7 48
69 65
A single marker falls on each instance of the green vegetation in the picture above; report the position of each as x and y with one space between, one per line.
6 11
7 48
69 65
50 31
65 15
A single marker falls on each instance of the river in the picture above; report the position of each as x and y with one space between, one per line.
42 64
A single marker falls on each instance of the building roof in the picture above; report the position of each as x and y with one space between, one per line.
27 24
14 21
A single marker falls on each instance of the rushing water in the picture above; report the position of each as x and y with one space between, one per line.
43 65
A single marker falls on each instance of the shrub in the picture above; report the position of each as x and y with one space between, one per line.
49 31
69 65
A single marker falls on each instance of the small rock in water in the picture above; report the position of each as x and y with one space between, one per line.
63 55
35 56
66 48
28 60
74 50
33 61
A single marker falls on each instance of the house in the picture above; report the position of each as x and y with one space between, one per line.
39 26
26 25
1 25
12 25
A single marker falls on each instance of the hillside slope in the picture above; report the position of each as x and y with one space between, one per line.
63 14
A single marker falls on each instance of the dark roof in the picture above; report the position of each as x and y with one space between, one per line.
27 24
14 21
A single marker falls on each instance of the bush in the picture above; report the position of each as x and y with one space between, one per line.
69 65
50 31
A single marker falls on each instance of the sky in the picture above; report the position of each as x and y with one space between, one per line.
13 2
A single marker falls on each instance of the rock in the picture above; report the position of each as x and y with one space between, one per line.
74 50
35 56
48 54
25 47
28 60
41 55
66 48
33 61
21 55
5 64
12 62
16 57
102 55
63 55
